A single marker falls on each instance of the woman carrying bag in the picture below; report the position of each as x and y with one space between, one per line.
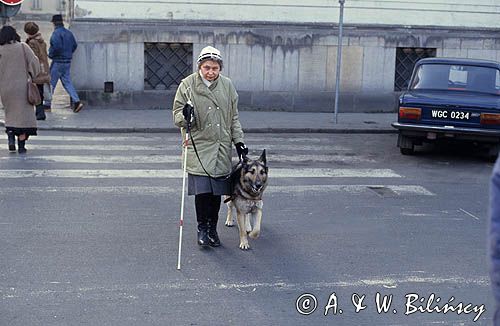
18 64
39 47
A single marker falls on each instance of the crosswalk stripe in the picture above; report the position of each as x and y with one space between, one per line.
172 147
275 173
153 138
138 159
302 190
93 138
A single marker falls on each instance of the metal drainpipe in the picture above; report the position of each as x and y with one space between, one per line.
70 11
339 60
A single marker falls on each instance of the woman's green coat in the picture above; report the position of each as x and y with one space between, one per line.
216 126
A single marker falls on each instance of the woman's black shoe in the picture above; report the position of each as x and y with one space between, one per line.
213 238
12 141
203 236
20 144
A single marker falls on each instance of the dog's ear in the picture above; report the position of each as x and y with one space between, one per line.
244 160
262 157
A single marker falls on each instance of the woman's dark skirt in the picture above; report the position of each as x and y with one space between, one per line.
21 131
200 184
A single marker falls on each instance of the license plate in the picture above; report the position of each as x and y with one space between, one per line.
449 114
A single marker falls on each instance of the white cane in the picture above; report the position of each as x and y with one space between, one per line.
181 223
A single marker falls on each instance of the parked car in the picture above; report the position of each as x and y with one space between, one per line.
457 99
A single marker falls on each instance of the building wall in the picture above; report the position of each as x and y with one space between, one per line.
460 13
280 54
280 66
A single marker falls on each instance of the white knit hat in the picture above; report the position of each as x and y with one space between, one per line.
209 53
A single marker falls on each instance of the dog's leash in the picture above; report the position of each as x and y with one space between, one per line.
233 170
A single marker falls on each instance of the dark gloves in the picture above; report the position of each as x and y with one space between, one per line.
241 149
188 112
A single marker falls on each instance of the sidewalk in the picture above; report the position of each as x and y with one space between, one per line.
61 118
151 121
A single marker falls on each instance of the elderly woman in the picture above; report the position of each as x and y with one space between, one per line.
17 60
214 128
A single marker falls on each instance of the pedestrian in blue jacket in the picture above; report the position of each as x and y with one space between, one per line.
494 239
62 46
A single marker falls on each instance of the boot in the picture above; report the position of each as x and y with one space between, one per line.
40 112
213 237
12 141
20 144
203 235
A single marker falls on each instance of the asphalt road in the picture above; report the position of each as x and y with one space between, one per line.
89 235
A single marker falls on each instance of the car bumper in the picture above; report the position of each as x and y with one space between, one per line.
423 131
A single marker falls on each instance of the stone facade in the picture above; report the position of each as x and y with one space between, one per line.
274 66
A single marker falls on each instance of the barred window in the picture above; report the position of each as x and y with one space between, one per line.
36 5
405 62
166 64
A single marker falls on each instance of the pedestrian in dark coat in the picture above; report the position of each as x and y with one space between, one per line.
39 47
215 128
14 69
494 238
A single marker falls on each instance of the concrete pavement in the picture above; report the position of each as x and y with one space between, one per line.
126 120
61 118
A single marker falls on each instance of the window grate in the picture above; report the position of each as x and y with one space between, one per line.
405 62
166 64
36 5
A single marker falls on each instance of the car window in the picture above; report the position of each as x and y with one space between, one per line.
457 78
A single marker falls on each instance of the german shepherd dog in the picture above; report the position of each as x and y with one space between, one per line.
249 182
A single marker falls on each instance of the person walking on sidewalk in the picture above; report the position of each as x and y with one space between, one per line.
17 61
215 127
62 47
39 47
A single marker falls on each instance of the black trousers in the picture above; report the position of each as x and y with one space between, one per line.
207 210
40 90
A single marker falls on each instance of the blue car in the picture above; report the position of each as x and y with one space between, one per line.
453 99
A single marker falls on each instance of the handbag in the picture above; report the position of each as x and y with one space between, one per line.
33 93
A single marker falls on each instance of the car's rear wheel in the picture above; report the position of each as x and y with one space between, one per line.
406 145
407 151
493 153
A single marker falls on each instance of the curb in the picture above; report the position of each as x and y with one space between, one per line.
344 130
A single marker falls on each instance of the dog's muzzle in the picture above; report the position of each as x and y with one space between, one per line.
256 188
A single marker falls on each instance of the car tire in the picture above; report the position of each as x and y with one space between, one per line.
493 153
407 151
406 145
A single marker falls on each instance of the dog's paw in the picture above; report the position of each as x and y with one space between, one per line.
254 234
244 245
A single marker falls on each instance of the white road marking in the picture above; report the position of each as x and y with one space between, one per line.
99 138
309 190
154 158
275 173
98 159
333 173
160 190
254 139
125 289
155 146
470 214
